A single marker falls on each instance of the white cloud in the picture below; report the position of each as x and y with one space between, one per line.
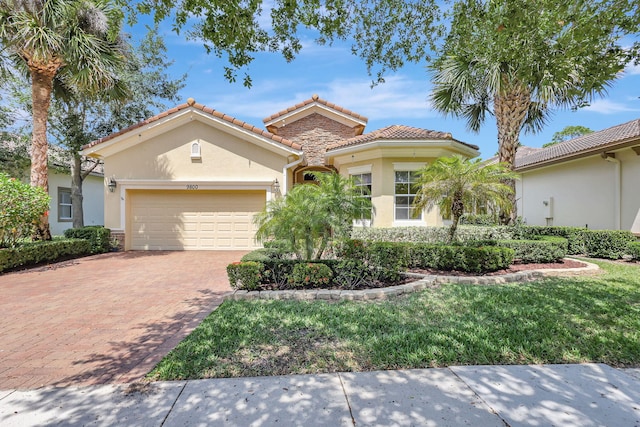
397 99
605 106
632 70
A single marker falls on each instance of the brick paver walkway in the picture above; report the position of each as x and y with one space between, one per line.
106 318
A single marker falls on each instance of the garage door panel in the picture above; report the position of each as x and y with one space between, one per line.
202 220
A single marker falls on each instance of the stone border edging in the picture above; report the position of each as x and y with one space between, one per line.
424 281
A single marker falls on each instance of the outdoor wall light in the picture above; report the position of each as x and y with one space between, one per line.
276 186
112 184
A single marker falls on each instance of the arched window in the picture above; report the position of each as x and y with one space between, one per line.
195 150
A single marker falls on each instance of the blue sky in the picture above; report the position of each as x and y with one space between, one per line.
340 77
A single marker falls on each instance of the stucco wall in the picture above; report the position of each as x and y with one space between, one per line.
630 189
582 193
383 189
93 204
166 158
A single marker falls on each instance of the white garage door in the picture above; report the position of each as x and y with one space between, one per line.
193 220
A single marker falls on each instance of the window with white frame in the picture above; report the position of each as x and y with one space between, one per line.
406 188
65 211
362 182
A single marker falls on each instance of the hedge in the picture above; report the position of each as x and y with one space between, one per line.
475 259
545 249
634 250
98 236
432 234
574 236
611 244
387 260
245 275
37 252
310 275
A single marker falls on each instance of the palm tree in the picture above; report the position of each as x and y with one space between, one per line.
455 183
76 43
520 60
310 216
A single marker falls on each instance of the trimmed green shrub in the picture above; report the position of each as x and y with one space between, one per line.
37 252
610 244
98 236
351 249
634 250
476 259
21 207
245 275
261 255
545 249
431 234
574 236
387 260
310 275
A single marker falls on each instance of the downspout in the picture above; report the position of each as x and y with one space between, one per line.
285 175
611 158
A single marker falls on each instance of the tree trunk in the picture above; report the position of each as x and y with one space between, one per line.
76 191
457 209
41 87
510 109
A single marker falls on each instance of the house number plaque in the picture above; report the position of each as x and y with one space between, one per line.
192 186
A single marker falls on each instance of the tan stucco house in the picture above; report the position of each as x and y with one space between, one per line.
193 177
592 180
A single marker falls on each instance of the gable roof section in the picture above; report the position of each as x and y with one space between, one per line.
597 142
239 124
314 104
398 133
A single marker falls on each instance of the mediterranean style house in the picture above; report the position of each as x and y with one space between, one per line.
590 181
193 177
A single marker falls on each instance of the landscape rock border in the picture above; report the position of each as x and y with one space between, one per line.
423 281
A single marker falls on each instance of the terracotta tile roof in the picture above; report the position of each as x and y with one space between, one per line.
398 132
583 145
315 99
522 151
217 114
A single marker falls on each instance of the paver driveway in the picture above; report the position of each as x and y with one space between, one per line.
104 319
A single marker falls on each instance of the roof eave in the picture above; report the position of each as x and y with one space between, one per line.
400 143
616 145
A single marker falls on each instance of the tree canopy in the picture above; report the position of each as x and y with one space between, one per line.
384 33
520 60
59 42
454 184
567 133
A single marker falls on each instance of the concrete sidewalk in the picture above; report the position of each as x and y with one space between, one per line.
561 395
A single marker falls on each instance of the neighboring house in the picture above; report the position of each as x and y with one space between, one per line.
60 212
587 181
193 177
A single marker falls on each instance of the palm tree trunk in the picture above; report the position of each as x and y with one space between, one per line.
510 109
457 209
76 191
41 87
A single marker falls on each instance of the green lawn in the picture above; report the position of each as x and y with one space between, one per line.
556 320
